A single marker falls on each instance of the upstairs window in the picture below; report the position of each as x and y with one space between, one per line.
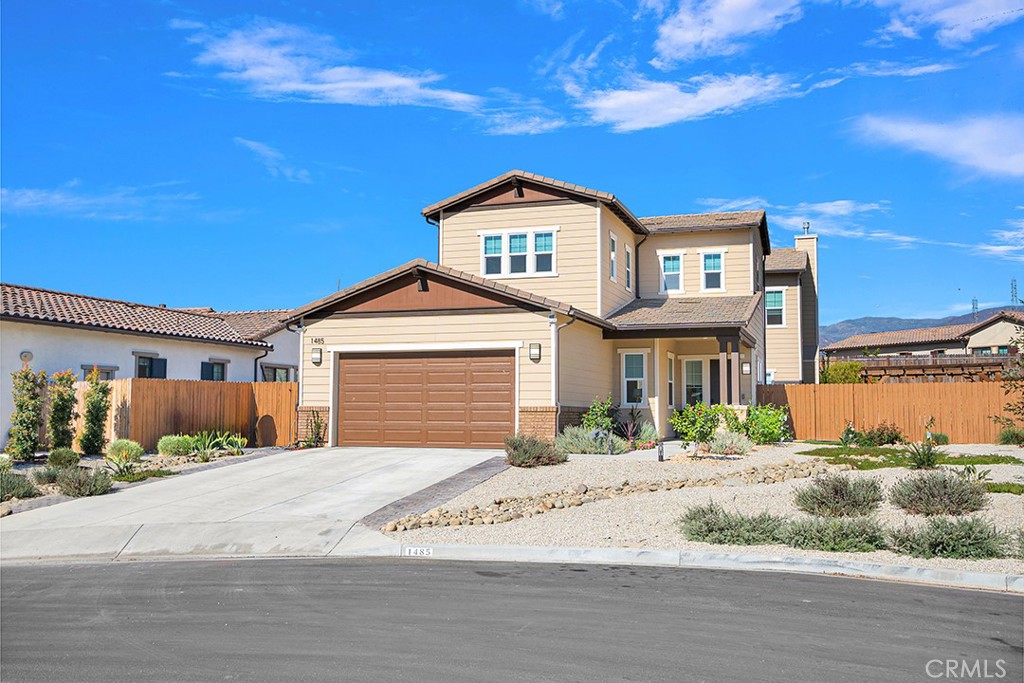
492 254
518 253
544 252
775 307
629 268
671 273
612 251
712 272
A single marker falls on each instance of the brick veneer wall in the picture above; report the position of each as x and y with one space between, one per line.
305 413
540 421
570 415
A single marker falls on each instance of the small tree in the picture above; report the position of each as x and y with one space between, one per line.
28 389
60 422
842 372
1013 386
97 405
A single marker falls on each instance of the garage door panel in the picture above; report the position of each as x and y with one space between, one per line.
433 399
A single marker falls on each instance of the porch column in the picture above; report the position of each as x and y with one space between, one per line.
723 370
734 399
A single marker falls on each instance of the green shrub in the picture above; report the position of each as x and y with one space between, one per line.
143 474
46 475
696 423
6 465
316 429
234 443
529 451
711 524
28 390
79 482
842 372
16 486
97 404
648 432
123 455
968 538
175 445
767 423
836 495
940 439
581 440
1011 436
61 419
1017 544
881 435
1005 487
730 443
923 455
859 535
62 457
938 493
600 415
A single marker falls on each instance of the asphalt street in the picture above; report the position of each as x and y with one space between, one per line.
394 620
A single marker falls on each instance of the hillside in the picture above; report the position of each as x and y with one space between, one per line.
848 328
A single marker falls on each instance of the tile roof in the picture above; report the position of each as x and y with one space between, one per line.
686 312
921 335
48 306
723 220
785 260
608 198
255 324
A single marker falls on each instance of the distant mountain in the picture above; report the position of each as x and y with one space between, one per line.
848 328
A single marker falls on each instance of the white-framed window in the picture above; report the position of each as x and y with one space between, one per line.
671 380
629 268
694 381
712 271
525 252
671 264
775 307
106 372
769 376
634 377
612 256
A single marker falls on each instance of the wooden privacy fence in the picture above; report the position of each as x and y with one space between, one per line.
963 410
146 409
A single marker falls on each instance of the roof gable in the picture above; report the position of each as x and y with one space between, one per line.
723 220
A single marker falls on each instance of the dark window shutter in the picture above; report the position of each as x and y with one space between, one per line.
206 371
158 368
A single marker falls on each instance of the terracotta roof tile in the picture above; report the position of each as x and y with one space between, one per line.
921 335
787 260
44 305
255 324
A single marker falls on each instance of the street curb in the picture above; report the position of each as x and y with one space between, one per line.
1005 583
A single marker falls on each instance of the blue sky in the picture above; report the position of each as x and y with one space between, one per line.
253 155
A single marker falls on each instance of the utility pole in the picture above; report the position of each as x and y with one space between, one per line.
974 309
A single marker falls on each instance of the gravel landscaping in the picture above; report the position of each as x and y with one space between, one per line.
649 519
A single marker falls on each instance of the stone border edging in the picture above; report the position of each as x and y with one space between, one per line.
1005 583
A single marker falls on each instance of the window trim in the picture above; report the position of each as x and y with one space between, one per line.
662 253
671 377
88 367
703 280
144 354
644 393
629 268
292 371
781 289
531 253
613 250
703 382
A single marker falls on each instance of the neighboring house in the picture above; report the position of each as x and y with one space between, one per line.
990 337
791 308
546 296
58 331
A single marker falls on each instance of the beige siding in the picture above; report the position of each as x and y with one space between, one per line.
587 364
736 260
809 307
575 246
525 327
614 294
783 343
995 335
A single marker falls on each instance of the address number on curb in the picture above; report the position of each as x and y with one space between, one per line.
419 552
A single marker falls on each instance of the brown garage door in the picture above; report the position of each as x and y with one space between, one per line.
457 399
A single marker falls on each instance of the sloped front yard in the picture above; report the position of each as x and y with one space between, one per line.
629 503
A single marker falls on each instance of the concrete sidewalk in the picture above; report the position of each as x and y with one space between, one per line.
297 504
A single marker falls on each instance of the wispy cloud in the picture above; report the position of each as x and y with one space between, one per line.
992 144
552 8
274 161
649 104
885 68
704 28
955 22
278 61
124 203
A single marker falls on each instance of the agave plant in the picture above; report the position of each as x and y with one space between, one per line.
234 443
206 444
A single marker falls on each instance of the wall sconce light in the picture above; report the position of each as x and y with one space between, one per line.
535 352
318 355
746 368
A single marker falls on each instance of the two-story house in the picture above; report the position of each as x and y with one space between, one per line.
546 295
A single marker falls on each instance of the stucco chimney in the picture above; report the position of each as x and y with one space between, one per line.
809 343
809 243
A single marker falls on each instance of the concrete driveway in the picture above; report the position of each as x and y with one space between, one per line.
304 503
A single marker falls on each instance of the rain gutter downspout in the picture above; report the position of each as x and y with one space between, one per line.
636 267
555 329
